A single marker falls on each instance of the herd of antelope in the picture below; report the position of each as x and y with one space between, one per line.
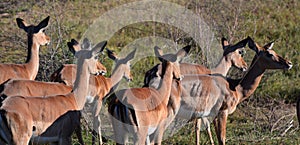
35 112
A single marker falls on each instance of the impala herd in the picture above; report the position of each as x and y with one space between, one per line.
35 112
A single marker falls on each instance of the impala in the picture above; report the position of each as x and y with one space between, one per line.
67 72
232 56
36 37
265 58
100 86
30 88
24 117
143 111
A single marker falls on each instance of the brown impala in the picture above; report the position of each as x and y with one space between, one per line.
36 37
265 58
232 56
24 117
143 111
100 86
30 88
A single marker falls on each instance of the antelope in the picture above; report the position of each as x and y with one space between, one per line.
265 58
23 117
232 56
30 88
67 72
100 86
144 111
36 37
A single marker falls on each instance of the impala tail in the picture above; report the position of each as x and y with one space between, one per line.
5 133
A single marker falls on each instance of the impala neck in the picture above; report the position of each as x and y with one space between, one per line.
117 75
222 67
80 88
250 81
32 61
165 84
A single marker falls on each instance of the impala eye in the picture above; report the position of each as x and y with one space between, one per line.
241 52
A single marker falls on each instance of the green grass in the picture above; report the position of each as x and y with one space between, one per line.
265 21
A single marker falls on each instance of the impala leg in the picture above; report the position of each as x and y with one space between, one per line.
222 120
197 130
140 137
97 123
22 131
78 132
207 125
298 109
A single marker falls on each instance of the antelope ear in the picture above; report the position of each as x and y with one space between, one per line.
99 47
269 45
21 24
252 45
183 52
241 44
158 51
130 56
86 44
224 42
43 24
111 54
71 46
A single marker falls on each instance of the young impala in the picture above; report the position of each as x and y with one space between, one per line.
24 117
232 56
36 37
143 111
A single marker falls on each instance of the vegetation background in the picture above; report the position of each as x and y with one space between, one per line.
267 117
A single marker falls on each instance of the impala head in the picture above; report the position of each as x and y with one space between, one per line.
36 32
100 68
122 64
268 58
174 58
234 53
156 70
87 55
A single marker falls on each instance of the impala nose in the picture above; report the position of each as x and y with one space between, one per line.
244 68
290 65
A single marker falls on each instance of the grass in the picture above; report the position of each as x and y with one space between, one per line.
254 122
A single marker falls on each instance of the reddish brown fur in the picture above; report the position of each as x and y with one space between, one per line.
148 108
248 84
29 69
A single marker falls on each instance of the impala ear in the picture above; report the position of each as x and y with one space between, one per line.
99 47
224 42
86 44
71 46
21 24
43 24
111 54
158 51
269 45
252 45
240 44
130 56
183 52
